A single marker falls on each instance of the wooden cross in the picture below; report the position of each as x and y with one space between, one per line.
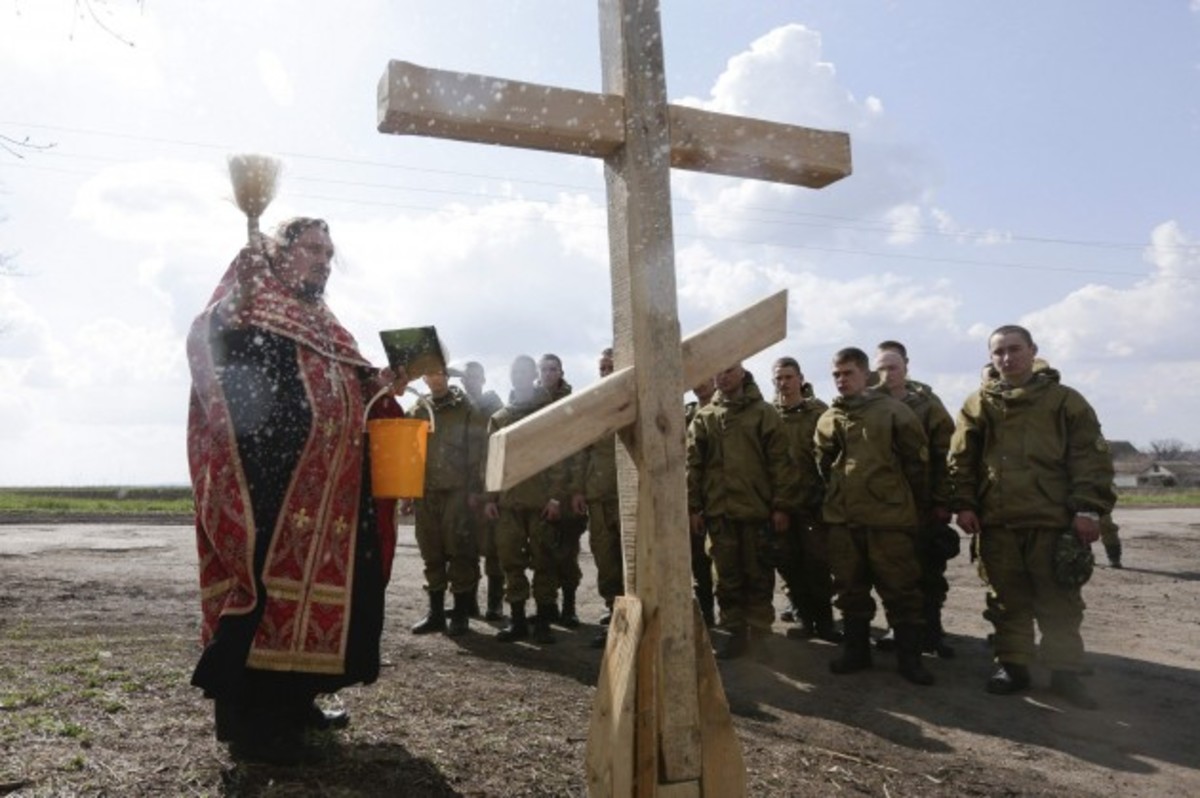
660 723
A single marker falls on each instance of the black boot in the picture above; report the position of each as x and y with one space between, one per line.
738 644
888 641
460 616
606 618
856 647
1008 678
568 618
933 636
473 604
908 654
495 599
541 624
518 627
435 620
824 627
1113 550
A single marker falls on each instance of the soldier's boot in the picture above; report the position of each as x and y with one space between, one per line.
790 614
541 624
908 654
495 599
1008 678
856 647
888 641
824 628
517 627
1071 687
1113 550
933 636
460 616
435 619
568 617
606 617
473 604
738 644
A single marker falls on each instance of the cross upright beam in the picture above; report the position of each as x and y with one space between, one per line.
660 725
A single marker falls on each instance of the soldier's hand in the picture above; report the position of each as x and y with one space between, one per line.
941 515
491 511
968 522
779 521
1086 529
696 522
406 507
552 511
578 504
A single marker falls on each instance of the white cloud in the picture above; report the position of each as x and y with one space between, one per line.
1102 322
275 78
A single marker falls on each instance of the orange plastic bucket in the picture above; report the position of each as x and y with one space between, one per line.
398 450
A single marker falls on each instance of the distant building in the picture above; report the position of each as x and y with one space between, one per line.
1124 450
1172 474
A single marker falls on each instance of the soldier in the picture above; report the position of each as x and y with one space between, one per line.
1027 462
702 567
804 554
937 543
873 456
525 514
445 534
473 379
597 498
570 525
742 485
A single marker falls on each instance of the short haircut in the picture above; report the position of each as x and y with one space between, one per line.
1011 329
606 352
893 346
787 362
852 354
473 365
550 356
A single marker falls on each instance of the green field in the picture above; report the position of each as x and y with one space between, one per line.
94 500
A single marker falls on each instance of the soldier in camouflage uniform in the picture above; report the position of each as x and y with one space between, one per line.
570 525
804 553
873 456
445 535
1028 461
936 541
702 567
473 379
598 498
526 512
742 485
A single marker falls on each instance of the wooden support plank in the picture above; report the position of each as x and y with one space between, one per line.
724 771
559 430
417 100
610 757
646 737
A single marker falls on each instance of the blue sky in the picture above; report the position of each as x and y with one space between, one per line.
1022 162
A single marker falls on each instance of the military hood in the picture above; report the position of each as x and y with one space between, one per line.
855 402
750 393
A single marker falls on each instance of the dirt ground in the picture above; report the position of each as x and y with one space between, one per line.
98 634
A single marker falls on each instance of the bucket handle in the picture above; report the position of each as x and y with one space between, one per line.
421 399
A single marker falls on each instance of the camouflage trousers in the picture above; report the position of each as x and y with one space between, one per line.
745 587
446 542
1017 564
803 562
604 540
525 540
885 559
